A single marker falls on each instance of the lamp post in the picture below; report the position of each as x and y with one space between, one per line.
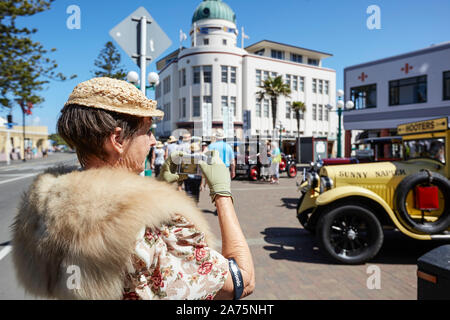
153 79
340 108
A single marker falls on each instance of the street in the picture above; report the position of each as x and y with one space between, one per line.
287 262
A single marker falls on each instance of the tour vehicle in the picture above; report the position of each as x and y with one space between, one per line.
349 206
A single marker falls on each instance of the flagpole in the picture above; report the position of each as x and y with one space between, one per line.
242 37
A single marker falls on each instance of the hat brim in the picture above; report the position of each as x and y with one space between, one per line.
130 109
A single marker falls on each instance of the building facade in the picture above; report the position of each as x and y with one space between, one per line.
406 88
217 79
36 137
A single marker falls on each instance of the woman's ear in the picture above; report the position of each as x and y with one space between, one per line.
116 142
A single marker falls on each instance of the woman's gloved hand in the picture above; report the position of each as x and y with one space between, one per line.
217 175
169 168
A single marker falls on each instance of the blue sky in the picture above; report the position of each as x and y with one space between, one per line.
333 26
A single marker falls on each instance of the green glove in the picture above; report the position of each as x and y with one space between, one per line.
169 168
217 175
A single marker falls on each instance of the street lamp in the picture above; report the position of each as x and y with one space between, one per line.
153 79
340 108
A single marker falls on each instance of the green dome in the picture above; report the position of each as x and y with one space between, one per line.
213 9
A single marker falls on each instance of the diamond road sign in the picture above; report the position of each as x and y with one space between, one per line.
127 35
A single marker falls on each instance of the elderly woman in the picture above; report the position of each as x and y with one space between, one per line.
104 232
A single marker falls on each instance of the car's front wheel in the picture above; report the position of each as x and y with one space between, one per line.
349 234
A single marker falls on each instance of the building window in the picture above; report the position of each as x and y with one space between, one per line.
408 91
205 42
158 91
296 58
167 112
258 109
207 99
314 85
320 112
224 103
276 54
314 112
233 75
233 105
196 75
196 107
327 114
313 62
224 74
320 86
182 79
166 85
295 83
266 75
260 52
288 110
302 84
266 108
224 42
364 97
258 78
327 87
288 80
273 75
182 108
207 74
446 85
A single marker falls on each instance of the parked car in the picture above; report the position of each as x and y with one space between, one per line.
349 206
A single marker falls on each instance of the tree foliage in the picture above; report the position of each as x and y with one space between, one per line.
299 107
108 63
24 64
273 88
56 138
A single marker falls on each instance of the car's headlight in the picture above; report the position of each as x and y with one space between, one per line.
313 179
326 184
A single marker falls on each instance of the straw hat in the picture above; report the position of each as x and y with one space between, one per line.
219 135
195 147
113 95
171 139
159 145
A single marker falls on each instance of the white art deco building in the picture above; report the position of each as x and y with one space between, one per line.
213 84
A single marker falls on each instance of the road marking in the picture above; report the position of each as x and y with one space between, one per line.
4 252
21 177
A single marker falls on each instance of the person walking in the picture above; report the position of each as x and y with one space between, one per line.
159 157
275 155
104 232
225 151
171 146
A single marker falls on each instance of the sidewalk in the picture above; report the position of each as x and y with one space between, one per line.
52 158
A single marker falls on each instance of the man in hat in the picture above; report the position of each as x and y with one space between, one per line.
225 151
171 146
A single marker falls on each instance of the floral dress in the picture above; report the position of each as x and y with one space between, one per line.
174 263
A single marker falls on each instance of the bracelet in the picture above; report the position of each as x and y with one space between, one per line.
237 278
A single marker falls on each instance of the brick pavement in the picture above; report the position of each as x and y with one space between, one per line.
288 263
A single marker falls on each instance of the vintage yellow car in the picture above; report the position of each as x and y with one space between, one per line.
348 207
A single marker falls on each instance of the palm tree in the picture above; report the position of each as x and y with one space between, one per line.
298 107
274 88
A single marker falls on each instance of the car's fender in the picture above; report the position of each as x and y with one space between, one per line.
351 191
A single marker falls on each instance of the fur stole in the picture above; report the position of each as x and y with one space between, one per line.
89 219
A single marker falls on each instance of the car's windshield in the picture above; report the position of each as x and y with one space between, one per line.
425 148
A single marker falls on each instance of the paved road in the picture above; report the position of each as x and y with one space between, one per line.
287 261
14 179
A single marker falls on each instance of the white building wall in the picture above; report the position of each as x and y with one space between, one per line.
431 61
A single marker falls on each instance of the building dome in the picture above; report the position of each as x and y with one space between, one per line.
213 9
